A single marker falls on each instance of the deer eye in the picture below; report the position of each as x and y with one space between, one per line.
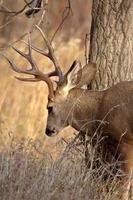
50 109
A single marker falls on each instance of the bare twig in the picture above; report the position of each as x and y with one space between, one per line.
45 9
34 7
65 15
70 145
31 29
14 42
14 13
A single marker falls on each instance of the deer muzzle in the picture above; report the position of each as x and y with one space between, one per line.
50 132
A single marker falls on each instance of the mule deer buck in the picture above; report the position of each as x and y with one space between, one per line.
85 110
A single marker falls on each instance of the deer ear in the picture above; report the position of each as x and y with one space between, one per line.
74 75
88 74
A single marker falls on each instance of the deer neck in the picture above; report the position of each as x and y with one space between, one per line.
84 108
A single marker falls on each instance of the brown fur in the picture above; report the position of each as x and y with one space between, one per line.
89 111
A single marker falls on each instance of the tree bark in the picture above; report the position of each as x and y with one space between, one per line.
111 43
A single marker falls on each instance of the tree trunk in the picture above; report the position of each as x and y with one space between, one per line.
111 44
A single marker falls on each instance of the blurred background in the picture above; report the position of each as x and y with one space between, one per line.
23 111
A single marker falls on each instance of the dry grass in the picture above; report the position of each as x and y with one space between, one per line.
26 175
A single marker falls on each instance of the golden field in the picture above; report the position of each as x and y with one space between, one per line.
23 105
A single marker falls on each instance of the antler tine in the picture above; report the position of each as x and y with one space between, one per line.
14 67
50 54
38 50
28 56
28 79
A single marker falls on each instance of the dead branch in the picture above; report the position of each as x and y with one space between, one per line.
4 9
67 11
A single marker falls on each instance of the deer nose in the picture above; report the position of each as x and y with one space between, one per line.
49 132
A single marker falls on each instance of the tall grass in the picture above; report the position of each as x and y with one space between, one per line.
28 175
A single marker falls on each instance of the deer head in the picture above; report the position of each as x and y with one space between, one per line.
61 108
59 100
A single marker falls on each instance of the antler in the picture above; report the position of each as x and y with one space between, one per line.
50 54
38 75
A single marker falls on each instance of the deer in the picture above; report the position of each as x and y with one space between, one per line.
109 110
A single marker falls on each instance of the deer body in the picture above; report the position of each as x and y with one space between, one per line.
110 110
84 109
117 106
